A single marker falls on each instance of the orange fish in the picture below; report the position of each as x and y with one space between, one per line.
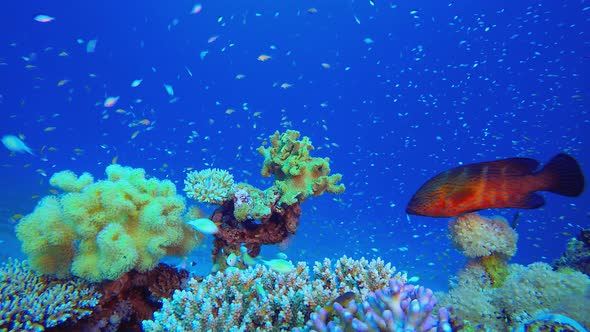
506 183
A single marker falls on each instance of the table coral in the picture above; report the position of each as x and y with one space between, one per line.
100 230
259 299
36 303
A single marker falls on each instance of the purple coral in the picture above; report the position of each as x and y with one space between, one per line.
399 307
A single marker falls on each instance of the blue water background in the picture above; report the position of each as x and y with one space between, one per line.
412 88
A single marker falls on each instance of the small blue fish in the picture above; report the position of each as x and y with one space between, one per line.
15 144
280 265
44 18
204 225
232 259
136 83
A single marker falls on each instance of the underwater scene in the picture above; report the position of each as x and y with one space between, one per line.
295 165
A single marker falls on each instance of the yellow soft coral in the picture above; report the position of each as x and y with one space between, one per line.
297 175
100 230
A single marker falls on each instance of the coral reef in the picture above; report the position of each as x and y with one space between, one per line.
490 294
36 303
526 292
100 230
132 298
252 217
398 307
259 299
489 242
577 254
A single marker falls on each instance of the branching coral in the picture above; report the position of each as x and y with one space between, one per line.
100 230
35 303
359 276
259 299
211 185
398 307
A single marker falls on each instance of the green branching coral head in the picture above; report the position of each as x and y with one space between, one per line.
297 174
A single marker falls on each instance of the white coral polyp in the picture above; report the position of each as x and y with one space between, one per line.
211 185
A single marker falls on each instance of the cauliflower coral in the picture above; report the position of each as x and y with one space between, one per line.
477 236
100 230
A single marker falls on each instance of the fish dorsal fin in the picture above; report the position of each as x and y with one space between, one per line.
516 166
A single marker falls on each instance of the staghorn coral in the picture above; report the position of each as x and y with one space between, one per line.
359 276
103 229
36 303
526 292
397 307
259 299
211 185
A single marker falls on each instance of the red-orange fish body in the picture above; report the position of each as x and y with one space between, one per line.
506 183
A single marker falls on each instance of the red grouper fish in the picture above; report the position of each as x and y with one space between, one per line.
506 183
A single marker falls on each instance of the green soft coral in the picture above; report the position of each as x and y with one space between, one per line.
100 230
297 174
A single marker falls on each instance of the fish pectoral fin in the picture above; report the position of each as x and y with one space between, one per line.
530 201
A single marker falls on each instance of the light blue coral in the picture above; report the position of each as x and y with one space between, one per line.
399 307
260 299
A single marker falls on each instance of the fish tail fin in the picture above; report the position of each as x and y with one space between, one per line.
563 176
